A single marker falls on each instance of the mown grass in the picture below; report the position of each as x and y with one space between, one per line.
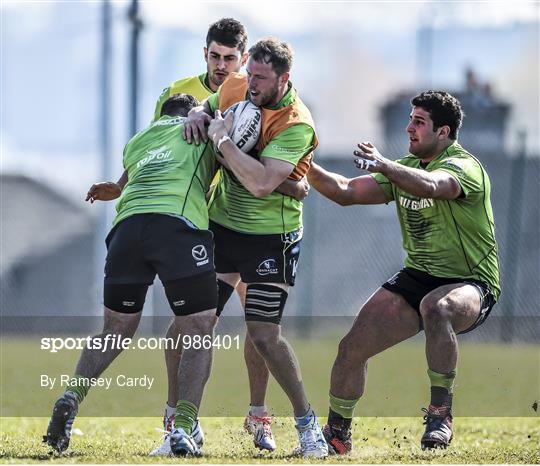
493 381
376 440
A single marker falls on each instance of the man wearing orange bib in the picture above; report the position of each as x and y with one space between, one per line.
258 231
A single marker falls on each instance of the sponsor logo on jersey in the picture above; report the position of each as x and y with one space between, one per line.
282 149
170 121
459 164
161 154
267 267
415 204
200 255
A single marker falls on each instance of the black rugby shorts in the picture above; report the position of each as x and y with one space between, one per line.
258 258
414 284
145 244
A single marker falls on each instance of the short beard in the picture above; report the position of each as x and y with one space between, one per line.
271 97
211 78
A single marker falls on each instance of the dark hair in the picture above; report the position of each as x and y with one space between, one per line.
272 50
443 108
178 105
228 32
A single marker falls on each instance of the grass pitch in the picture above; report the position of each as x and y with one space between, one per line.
493 381
376 440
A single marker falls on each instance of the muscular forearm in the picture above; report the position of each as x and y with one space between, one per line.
346 191
432 185
249 171
295 189
411 180
259 177
330 185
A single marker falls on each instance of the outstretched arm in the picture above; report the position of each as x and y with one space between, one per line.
345 191
421 183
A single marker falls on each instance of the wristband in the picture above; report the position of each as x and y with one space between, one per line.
222 140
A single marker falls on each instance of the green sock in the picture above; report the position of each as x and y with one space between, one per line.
344 408
78 387
185 415
442 380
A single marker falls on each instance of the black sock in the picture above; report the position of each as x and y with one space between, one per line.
441 397
338 422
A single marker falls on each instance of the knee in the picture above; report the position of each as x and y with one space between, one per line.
263 342
127 332
435 310
349 349
124 328
120 323
202 323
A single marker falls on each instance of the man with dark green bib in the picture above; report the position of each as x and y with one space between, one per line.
450 280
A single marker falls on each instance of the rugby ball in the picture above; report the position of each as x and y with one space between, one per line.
246 128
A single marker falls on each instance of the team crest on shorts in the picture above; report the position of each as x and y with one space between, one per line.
200 255
392 280
267 267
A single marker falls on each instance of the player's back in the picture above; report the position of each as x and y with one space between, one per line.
165 174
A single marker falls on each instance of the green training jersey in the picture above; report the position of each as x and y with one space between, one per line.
449 238
166 175
194 85
234 207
